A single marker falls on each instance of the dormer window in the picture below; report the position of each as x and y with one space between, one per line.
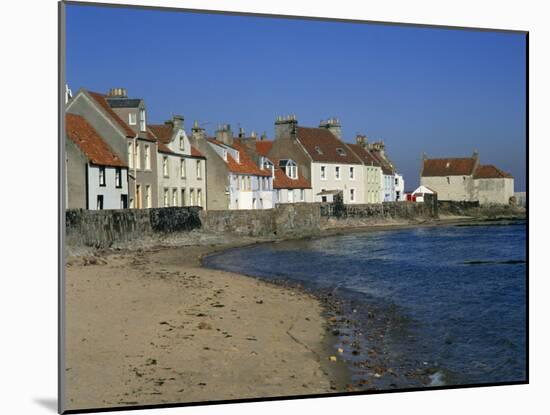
182 143
269 165
225 155
318 150
142 124
291 169
132 118
341 152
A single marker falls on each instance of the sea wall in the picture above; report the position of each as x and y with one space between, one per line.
477 210
104 228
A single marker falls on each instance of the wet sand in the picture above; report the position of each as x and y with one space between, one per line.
154 327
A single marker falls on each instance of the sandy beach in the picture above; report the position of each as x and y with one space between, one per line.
154 327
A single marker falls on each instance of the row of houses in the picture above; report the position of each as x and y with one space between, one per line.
115 159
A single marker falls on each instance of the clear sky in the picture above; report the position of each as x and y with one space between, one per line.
440 91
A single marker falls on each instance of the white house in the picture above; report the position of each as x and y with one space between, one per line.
249 186
399 187
97 178
421 191
181 167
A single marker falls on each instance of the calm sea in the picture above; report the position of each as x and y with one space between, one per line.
427 306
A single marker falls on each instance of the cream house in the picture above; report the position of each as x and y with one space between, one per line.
181 168
371 170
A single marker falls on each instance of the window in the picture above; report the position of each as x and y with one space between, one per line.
341 152
118 178
225 155
291 169
352 195
352 173
132 118
99 202
337 172
248 183
192 197
148 197
142 120
131 155
138 156
198 169
269 165
448 180
199 197
123 201
166 198
183 197
396 181
165 166
138 196
147 157
182 168
102 176
182 143
174 197
323 172
318 150
302 195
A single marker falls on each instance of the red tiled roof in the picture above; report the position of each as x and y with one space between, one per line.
90 142
383 163
162 132
282 181
490 172
100 99
327 143
365 155
163 148
448 167
213 140
246 165
263 147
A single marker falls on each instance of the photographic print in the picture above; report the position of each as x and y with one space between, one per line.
266 207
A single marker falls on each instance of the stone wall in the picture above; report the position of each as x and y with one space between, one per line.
481 211
105 228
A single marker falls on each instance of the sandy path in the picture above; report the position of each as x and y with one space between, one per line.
154 327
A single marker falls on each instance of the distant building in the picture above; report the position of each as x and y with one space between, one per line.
392 184
122 122
464 179
372 171
418 194
320 157
181 168
234 180
97 178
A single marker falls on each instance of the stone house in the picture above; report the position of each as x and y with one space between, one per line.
96 177
122 122
234 180
181 167
289 184
320 157
464 179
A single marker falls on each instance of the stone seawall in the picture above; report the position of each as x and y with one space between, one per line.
105 228
475 210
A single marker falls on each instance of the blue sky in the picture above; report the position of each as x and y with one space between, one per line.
443 92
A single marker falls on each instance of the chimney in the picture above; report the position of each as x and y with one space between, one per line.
333 125
285 126
177 122
264 136
379 147
242 134
197 132
118 93
361 140
224 134
253 135
424 156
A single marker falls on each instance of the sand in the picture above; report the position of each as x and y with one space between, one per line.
155 327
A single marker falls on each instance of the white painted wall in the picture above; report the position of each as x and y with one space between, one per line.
111 194
293 196
457 188
399 187
253 196
344 183
174 180
372 176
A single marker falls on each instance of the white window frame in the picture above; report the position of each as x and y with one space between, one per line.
352 194
132 118
148 196
337 173
142 121
199 168
199 197
323 172
165 167
352 173
182 142
182 168
174 197
166 197
138 156
147 156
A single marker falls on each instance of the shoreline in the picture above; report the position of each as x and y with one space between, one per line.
158 271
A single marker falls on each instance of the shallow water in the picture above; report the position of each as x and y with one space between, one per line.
446 303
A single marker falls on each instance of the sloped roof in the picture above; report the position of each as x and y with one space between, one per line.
365 155
383 163
101 99
162 132
322 145
448 167
246 165
263 147
196 153
282 181
90 142
489 171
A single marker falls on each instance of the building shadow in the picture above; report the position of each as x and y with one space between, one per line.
48 403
